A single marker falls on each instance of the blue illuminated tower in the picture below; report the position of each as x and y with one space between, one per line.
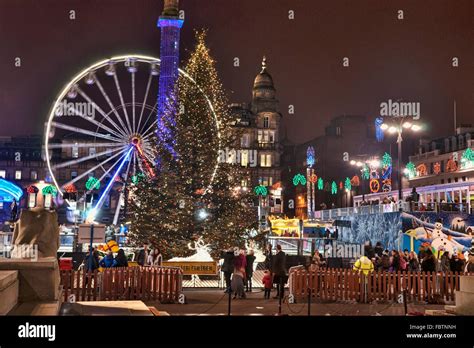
170 25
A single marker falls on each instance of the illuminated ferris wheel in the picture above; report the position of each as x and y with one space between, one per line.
102 124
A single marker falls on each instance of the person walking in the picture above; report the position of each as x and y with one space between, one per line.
142 257
120 260
228 267
250 259
267 284
155 258
279 271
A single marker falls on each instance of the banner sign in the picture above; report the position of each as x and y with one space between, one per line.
194 267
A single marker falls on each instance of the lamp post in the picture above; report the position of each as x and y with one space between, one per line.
405 123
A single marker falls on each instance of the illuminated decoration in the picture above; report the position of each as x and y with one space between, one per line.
313 178
379 135
348 184
374 186
355 181
70 188
261 190
451 165
341 185
9 191
320 183
92 184
410 170
366 172
94 211
310 157
299 179
467 159
32 189
334 188
422 170
386 160
387 185
49 190
137 178
437 168
170 25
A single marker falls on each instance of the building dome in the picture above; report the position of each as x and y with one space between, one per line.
263 79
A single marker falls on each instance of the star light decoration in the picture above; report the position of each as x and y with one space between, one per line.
310 157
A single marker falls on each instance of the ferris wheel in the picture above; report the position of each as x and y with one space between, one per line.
103 122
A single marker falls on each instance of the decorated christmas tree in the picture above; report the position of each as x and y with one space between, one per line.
192 194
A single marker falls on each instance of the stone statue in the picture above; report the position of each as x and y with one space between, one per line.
37 230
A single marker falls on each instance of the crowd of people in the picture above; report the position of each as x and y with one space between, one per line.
238 266
145 257
393 261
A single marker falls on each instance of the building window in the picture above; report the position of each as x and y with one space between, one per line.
75 151
3 174
338 131
266 181
92 151
266 122
266 136
34 175
265 160
245 141
244 158
17 174
73 174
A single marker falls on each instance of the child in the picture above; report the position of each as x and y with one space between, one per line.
267 283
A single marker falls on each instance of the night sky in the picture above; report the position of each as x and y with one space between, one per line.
389 58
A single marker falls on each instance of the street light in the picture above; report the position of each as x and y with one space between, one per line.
398 127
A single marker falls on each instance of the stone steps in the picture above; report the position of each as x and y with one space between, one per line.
9 290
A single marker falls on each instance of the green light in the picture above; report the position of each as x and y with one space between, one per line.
137 178
49 190
365 172
386 160
334 188
320 183
92 184
299 179
261 190
411 170
347 184
467 159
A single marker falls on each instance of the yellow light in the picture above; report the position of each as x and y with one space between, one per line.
415 128
383 126
407 124
392 130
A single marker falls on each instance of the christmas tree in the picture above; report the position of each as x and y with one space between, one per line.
192 194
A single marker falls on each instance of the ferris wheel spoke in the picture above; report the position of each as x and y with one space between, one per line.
133 102
85 132
99 109
108 170
134 163
144 100
86 158
90 170
71 145
153 110
112 107
98 124
119 91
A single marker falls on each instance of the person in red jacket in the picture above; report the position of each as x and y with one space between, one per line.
267 284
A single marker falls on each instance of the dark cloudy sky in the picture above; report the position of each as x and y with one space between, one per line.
389 58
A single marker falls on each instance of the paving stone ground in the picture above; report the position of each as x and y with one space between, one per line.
215 302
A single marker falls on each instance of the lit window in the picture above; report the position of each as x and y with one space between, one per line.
17 174
34 175
3 174
73 174
244 158
265 160
245 141
92 151
266 122
75 151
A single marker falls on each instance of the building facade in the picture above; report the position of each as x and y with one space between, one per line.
259 123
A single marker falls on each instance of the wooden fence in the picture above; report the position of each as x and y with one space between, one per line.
336 284
162 284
